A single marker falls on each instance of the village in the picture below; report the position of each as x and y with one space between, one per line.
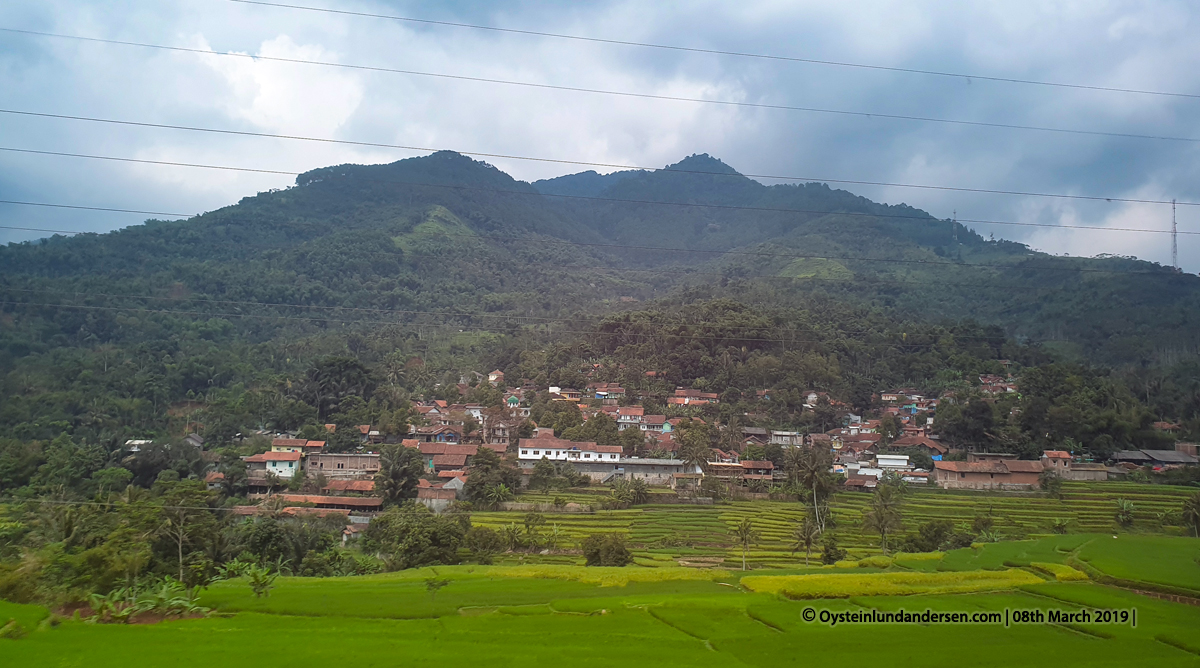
897 443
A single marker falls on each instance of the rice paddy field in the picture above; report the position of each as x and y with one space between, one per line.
663 534
554 611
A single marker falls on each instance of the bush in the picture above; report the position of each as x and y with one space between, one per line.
830 552
606 549
483 543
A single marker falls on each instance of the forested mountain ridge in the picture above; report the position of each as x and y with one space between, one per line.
450 262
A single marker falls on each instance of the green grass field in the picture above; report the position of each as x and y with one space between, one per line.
488 615
551 610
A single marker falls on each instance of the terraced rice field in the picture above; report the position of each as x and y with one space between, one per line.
663 534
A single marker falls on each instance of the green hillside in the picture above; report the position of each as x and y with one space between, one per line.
450 261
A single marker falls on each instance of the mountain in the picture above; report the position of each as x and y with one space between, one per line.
451 262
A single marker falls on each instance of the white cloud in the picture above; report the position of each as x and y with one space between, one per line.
1116 43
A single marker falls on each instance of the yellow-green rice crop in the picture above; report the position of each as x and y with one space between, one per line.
887 584
605 576
1061 572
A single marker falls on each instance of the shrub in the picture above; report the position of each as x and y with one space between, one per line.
483 543
830 552
606 549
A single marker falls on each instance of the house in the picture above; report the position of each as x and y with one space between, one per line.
997 473
690 397
653 471
721 457
1058 461
565 394
922 443
862 483
213 480
787 438
758 470
288 444
630 416
282 464
194 440
455 462
460 455
357 486
755 435
892 462
1136 457
342 465
437 499
364 504
441 433
1169 458
606 390
531 450
654 423
496 378
296 445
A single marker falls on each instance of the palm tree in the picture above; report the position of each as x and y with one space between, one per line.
746 536
883 514
1191 513
806 534
814 476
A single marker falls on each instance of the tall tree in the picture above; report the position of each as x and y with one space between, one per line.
186 516
883 513
746 536
400 470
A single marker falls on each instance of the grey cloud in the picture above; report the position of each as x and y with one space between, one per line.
1115 44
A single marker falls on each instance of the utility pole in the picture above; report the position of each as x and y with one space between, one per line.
1174 239
954 226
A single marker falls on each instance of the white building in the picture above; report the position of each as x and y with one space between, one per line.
530 450
892 462
282 464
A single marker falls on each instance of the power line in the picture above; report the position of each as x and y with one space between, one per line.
89 208
581 197
794 59
423 149
628 94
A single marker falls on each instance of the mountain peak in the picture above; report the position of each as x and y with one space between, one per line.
702 162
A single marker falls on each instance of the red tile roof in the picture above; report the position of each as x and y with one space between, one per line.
450 460
288 442
1056 454
450 474
752 464
350 486
275 457
355 501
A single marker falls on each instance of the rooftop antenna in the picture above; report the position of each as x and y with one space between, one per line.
1174 239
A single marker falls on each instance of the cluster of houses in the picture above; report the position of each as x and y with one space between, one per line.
861 452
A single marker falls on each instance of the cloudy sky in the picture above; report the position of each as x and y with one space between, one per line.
1135 45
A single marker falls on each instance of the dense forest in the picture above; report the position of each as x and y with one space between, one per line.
426 269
